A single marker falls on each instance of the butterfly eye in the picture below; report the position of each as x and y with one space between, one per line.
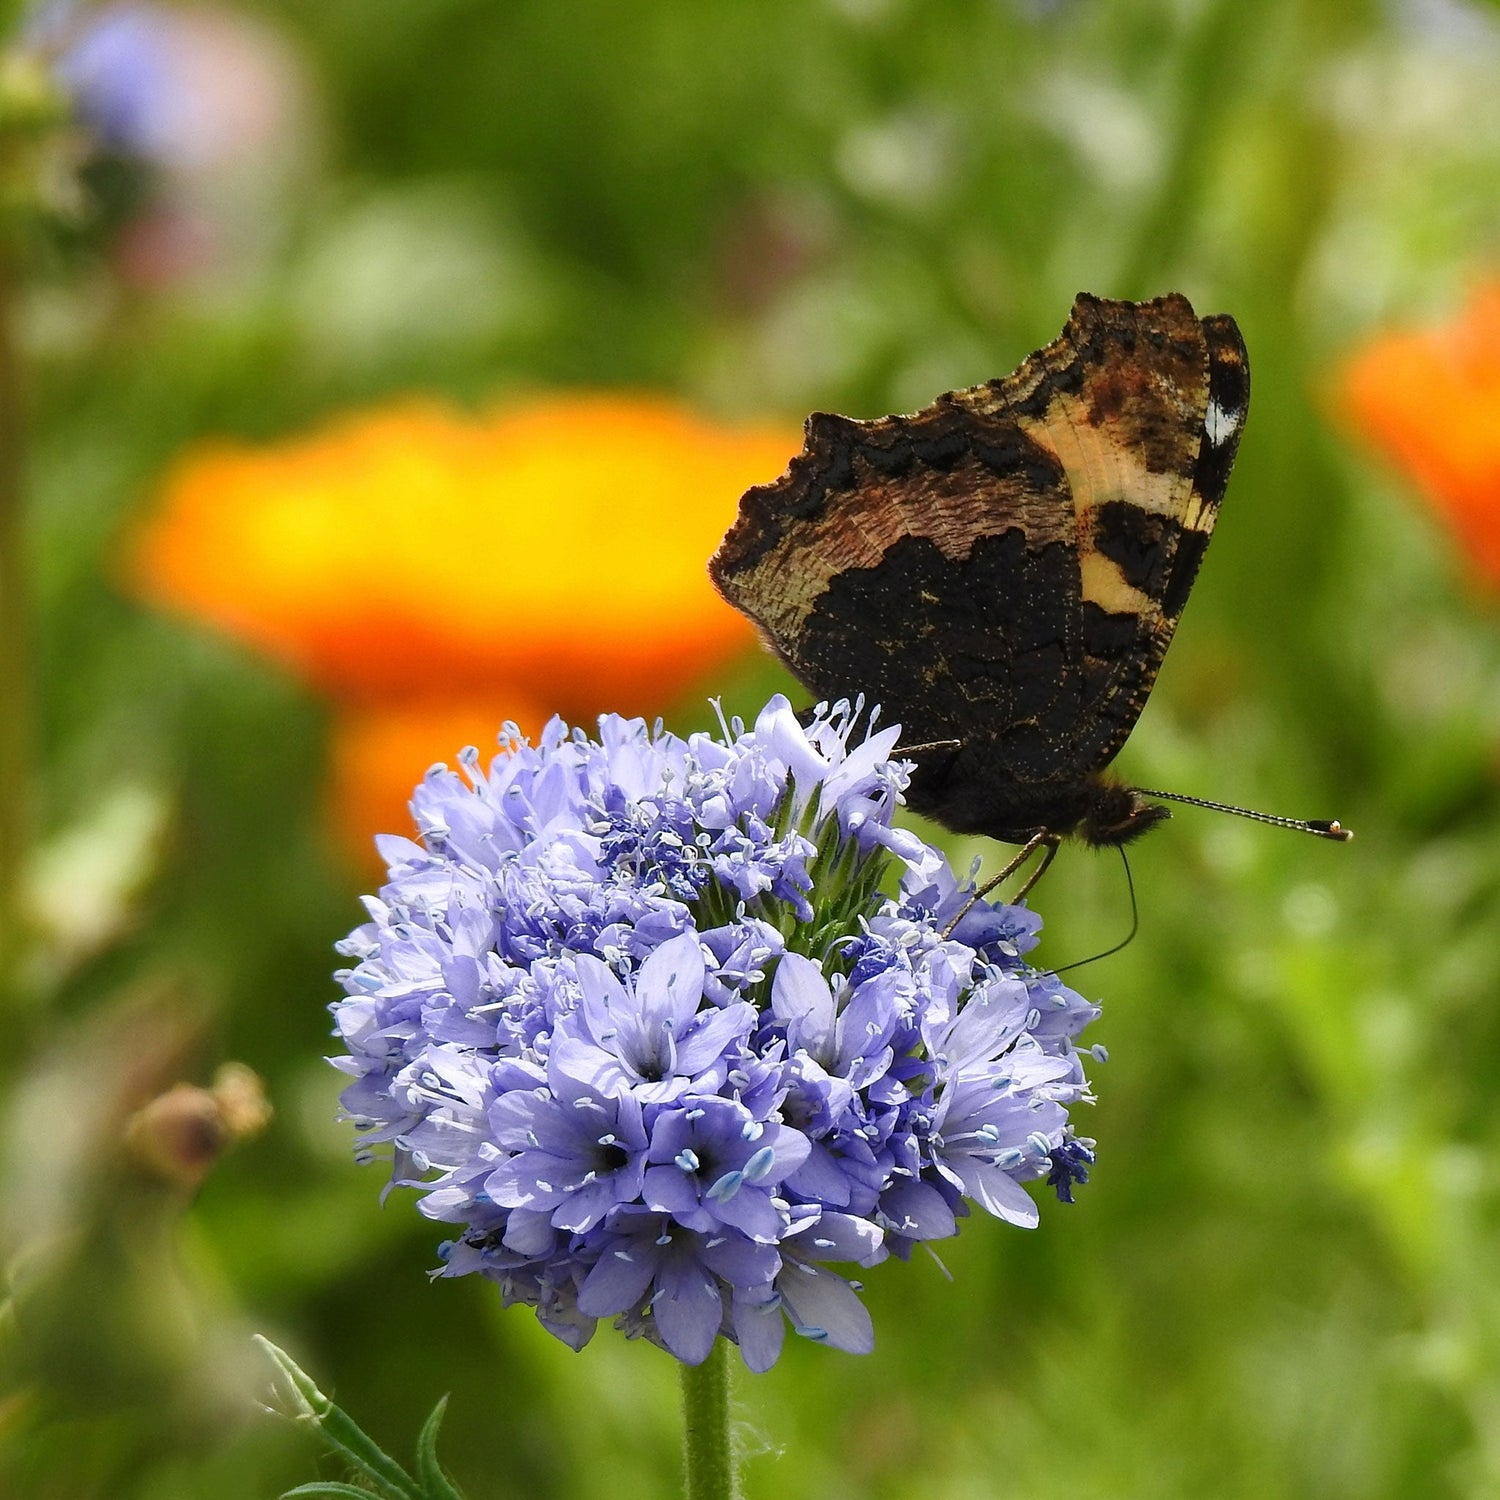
1117 814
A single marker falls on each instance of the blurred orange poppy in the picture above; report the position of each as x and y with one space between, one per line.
1429 399
435 572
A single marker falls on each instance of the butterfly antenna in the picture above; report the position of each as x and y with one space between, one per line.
1135 923
1324 829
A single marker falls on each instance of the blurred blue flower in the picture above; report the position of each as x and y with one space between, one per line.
118 67
186 87
669 1027
195 130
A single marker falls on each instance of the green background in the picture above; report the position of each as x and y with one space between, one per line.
1283 1280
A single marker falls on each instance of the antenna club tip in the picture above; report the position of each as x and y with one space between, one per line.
1334 830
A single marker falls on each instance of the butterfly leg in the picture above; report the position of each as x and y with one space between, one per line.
1052 843
910 752
1040 840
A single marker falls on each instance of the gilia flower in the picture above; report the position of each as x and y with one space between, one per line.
1429 399
670 1028
425 568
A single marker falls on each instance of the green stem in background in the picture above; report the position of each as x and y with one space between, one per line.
33 110
1210 75
15 635
708 1458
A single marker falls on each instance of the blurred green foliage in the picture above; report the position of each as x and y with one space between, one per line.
1284 1279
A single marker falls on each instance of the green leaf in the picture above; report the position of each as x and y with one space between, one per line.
306 1403
435 1484
326 1488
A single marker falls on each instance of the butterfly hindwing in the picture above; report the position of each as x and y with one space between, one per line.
1005 568
1143 404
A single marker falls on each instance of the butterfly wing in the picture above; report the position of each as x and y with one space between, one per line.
1006 567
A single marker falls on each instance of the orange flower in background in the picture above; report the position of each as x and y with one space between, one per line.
435 572
558 547
377 753
1430 400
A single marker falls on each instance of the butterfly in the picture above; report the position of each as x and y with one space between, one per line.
1003 571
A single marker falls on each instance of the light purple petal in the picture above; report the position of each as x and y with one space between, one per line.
836 1237
669 987
604 997
857 767
790 1148
821 1178
688 1312
825 1307
587 1206
529 1233
589 1065
751 1212
918 1210
985 1025
999 1194
715 1032
616 1281
760 1327
777 729
669 1190
800 996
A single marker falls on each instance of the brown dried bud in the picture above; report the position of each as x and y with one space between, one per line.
180 1134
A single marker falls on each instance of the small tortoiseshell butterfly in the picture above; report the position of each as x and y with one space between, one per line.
1003 571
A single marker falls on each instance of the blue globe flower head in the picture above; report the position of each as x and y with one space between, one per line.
679 1031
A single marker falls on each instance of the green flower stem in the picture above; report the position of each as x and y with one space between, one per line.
708 1457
